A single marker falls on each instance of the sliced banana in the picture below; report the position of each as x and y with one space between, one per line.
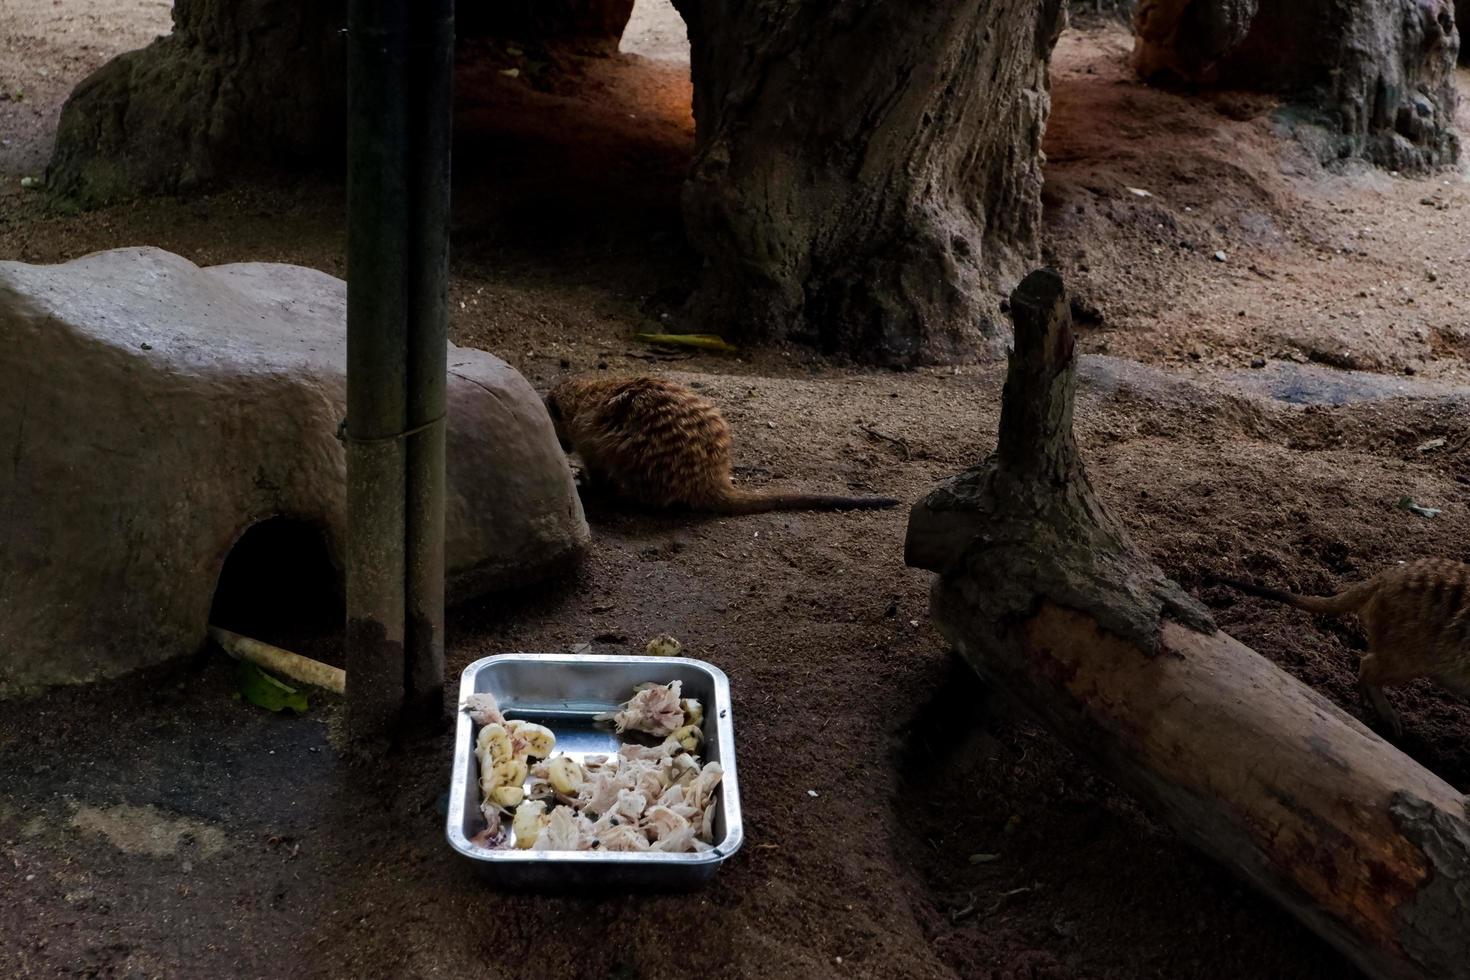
690 737
508 796
693 711
539 739
494 740
529 819
565 775
512 772
663 645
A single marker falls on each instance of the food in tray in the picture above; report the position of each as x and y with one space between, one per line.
656 709
643 798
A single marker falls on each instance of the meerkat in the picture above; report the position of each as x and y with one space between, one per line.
1417 617
659 444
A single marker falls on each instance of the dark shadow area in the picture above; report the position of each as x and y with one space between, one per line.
568 157
1004 828
279 585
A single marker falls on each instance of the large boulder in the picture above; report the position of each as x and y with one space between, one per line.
152 411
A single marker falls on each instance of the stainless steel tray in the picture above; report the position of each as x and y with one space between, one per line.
564 692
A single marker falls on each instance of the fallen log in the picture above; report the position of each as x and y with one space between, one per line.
283 662
1041 591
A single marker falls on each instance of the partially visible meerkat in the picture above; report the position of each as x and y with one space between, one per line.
1417 617
659 444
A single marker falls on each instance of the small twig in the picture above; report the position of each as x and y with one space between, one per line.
995 906
875 434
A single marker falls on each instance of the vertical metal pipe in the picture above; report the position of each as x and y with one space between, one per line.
431 77
400 57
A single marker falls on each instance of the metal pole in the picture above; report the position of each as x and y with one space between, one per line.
399 59
430 83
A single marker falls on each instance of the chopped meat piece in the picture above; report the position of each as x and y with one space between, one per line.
701 791
630 806
483 709
602 792
621 837
566 830
655 709
679 841
662 823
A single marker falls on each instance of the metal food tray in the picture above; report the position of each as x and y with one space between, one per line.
564 692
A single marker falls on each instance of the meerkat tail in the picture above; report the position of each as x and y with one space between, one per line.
1343 602
749 502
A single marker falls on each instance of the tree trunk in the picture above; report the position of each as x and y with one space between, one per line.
1042 593
1367 78
238 82
867 173
242 83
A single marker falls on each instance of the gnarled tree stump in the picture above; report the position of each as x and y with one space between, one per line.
1042 593
238 82
242 83
1366 78
866 174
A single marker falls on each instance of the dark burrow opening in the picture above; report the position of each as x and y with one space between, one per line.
280 585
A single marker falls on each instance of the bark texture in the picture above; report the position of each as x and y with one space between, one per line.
867 173
238 82
252 83
1367 78
1041 592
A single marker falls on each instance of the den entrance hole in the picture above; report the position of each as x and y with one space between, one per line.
279 585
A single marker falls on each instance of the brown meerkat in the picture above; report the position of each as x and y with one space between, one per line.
1417 617
659 444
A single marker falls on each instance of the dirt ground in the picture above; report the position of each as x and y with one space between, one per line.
156 826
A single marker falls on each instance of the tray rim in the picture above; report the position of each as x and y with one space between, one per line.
729 782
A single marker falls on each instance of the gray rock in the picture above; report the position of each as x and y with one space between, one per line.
153 411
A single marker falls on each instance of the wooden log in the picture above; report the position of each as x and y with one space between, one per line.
1041 591
283 662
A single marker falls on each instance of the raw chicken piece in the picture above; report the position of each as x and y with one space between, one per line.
488 839
651 753
683 768
601 792
644 775
492 835
622 837
677 842
700 793
483 709
655 709
707 826
630 806
566 830
662 823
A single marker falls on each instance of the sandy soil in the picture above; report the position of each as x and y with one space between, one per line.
157 827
